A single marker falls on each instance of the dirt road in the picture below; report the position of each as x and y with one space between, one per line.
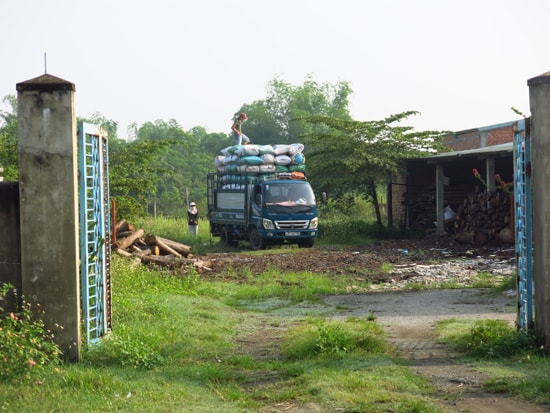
409 319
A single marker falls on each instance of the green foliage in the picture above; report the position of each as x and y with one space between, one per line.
358 157
133 173
493 339
125 351
510 358
26 348
342 230
296 287
333 339
109 125
497 339
280 117
8 140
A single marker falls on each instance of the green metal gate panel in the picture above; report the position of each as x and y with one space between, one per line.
94 231
523 224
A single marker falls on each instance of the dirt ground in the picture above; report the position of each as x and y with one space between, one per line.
408 317
362 261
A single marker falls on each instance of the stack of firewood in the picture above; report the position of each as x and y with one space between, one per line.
483 217
154 250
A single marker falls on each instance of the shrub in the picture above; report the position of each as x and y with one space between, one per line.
125 351
333 339
496 339
26 348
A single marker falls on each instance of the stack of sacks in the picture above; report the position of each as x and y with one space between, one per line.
239 164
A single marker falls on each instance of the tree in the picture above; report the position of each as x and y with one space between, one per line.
109 125
350 156
8 140
133 174
280 118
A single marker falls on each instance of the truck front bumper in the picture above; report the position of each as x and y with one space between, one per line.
279 235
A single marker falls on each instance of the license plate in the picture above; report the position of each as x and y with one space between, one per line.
292 234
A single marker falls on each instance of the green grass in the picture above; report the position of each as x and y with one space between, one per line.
511 358
181 343
177 345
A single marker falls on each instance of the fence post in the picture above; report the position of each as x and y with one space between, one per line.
539 99
48 192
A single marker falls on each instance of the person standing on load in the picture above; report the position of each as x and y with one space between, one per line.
193 219
237 129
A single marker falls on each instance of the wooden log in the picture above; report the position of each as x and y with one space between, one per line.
176 246
126 242
475 237
121 226
167 249
141 252
123 252
142 243
124 234
506 235
201 265
162 260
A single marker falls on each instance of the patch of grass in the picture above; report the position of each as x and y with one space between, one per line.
333 339
512 359
182 342
488 280
493 339
296 287
506 284
386 268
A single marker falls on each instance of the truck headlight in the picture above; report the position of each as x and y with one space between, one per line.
313 223
268 224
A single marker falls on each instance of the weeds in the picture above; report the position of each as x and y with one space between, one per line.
512 359
496 339
26 348
333 339
125 351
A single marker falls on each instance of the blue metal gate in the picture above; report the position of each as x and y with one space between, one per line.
94 231
523 224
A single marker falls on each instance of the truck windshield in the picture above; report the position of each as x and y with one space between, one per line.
289 194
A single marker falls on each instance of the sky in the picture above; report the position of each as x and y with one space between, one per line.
461 64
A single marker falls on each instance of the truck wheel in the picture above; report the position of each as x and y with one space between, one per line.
225 237
308 243
256 242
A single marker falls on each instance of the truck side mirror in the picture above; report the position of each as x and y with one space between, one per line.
324 197
258 199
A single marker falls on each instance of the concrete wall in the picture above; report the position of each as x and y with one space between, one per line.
10 245
48 189
539 97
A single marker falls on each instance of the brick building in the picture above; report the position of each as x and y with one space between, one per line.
412 194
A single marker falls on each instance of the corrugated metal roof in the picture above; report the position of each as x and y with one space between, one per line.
494 150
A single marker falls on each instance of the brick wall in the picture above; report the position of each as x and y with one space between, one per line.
459 141
480 137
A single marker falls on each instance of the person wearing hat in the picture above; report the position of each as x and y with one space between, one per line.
193 219
237 129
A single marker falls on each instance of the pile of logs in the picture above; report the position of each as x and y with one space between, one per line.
485 216
155 250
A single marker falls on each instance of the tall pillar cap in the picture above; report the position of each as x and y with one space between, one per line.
540 79
45 83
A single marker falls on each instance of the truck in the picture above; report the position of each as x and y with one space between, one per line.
266 210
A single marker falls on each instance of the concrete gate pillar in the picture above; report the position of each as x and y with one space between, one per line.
539 98
48 192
